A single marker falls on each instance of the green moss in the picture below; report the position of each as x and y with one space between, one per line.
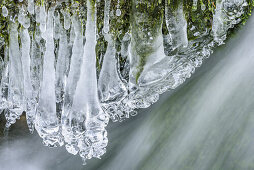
142 31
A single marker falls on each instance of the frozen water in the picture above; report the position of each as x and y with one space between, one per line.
16 86
71 66
46 120
29 101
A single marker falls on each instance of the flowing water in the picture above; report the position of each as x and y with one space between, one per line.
207 123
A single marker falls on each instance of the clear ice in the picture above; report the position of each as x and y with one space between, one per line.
47 123
70 67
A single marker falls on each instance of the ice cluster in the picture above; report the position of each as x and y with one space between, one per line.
71 66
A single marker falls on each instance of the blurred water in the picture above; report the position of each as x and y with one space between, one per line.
207 123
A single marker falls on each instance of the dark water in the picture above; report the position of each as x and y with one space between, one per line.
207 123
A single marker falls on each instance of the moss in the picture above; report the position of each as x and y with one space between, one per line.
142 31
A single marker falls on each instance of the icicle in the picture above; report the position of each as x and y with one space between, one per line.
36 62
72 36
110 85
4 89
4 11
125 52
125 45
106 16
30 6
43 18
71 84
177 26
23 18
225 18
4 82
67 20
46 120
182 26
28 94
25 42
57 26
88 104
218 21
61 67
112 89
15 93
37 13
87 119
76 61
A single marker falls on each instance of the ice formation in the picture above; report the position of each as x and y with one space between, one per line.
73 65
